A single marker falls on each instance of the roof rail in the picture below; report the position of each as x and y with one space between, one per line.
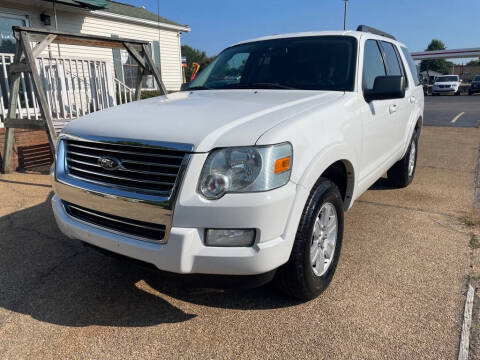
365 28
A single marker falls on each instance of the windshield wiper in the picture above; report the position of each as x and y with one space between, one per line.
272 86
258 86
198 88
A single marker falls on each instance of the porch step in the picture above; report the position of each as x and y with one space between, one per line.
58 124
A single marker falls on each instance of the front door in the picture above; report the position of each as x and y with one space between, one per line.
378 137
400 109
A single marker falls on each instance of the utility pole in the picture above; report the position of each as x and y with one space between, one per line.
345 15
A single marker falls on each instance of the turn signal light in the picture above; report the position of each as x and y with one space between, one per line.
282 165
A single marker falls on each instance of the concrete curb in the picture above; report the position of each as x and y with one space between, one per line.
477 185
467 322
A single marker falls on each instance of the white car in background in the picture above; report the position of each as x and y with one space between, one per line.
448 84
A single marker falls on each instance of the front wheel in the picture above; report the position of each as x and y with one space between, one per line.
401 174
317 245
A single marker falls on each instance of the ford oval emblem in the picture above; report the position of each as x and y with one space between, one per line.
109 163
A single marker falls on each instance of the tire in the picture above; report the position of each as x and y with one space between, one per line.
299 278
401 174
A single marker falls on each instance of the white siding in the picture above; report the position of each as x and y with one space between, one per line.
83 22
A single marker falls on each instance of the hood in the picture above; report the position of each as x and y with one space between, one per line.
205 119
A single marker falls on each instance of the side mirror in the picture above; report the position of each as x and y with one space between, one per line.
386 87
184 86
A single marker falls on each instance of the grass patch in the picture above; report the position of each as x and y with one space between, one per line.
470 219
474 241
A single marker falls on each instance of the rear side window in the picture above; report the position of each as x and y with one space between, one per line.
391 59
372 64
411 65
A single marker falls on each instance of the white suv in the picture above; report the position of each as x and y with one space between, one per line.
447 84
250 170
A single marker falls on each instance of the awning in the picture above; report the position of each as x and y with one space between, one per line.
89 4
93 4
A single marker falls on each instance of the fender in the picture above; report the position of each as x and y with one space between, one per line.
417 115
320 162
323 159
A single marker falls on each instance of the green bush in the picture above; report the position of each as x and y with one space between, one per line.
146 94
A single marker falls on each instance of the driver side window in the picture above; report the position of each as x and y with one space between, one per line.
373 65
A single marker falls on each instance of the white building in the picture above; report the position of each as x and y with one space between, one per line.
116 20
78 79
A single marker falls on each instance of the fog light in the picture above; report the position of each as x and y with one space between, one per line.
229 238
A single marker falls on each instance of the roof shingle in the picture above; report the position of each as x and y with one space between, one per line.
119 8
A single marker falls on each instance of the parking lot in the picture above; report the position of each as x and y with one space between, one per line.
399 290
454 111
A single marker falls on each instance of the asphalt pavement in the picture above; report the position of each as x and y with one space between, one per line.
453 111
398 292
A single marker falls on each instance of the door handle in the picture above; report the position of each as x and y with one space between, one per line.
392 108
413 99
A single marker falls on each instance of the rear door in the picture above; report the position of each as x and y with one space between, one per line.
415 88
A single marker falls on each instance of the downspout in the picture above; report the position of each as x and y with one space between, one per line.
56 25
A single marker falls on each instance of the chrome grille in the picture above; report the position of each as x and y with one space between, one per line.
151 169
145 230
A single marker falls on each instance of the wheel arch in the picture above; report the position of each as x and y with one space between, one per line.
419 125
340 170
413 126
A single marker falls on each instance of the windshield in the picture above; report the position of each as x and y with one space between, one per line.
446 78
476 78
307 63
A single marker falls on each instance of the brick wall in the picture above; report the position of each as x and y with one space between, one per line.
31 149
466 72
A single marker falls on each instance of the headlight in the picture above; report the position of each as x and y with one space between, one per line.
245 169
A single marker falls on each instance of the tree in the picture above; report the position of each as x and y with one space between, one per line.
440 65
194 55
473 63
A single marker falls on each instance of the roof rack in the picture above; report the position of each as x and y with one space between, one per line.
365 28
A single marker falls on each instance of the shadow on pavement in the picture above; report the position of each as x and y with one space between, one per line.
24 183
54 279
382 184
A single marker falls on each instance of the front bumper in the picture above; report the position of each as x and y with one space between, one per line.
184 252
187 216
444 90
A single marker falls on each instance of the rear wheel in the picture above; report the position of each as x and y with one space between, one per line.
317 245
401 174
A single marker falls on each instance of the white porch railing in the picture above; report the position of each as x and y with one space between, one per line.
74 87
123 93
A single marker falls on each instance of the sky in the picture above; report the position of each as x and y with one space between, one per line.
217 24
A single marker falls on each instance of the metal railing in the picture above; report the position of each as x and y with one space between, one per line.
74 87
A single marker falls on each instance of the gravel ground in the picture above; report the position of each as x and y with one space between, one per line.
398 292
